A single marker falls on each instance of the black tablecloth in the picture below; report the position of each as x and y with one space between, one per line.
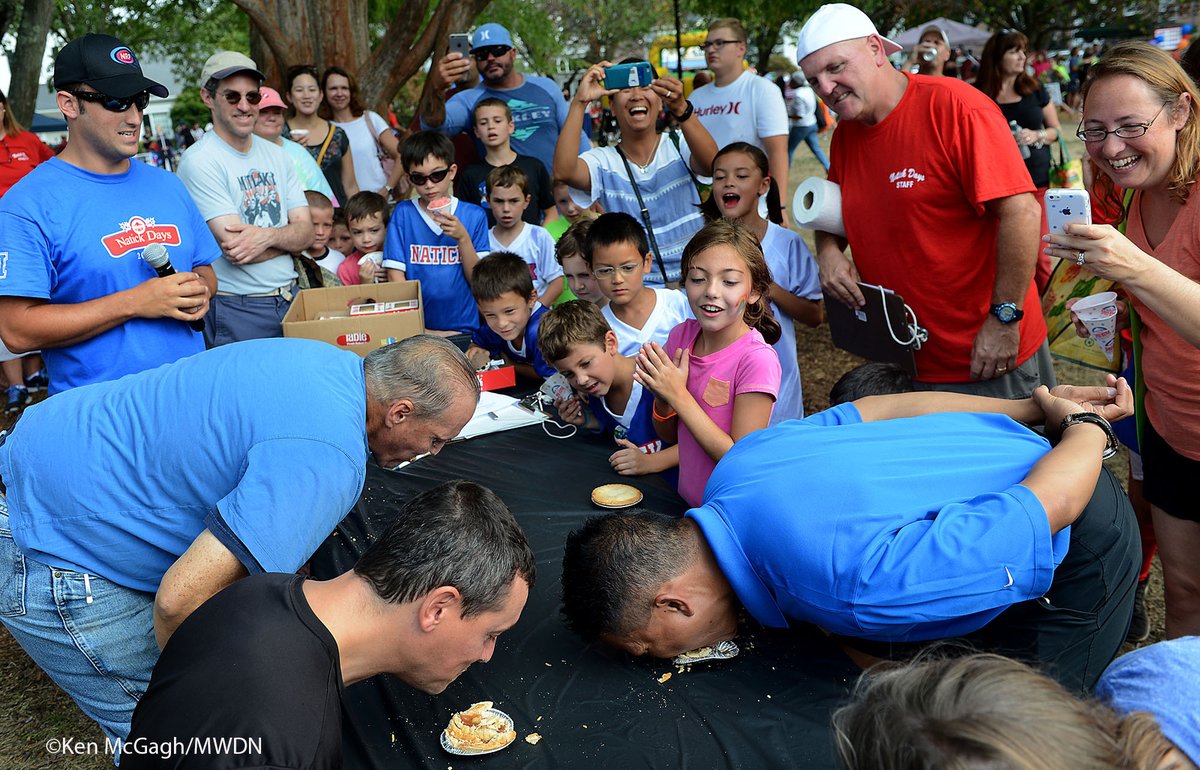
593 706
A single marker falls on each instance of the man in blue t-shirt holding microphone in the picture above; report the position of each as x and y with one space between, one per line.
72 233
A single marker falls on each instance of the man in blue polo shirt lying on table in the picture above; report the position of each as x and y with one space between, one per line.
894 519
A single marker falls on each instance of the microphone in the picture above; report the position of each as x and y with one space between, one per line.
156 256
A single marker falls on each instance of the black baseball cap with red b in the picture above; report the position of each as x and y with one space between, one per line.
104 63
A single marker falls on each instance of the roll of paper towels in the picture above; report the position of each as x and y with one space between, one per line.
818 206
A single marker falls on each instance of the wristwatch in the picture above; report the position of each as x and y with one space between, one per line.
687 112
1110 448
1007 312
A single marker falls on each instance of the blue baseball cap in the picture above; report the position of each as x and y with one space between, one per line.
491 34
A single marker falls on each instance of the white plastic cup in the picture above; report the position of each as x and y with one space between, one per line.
1099 314
374 256
300 135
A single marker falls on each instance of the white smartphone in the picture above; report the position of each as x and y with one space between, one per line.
1067 207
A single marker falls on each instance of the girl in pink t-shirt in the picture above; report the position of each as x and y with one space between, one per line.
718 376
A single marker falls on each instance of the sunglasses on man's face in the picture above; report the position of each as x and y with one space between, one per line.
113 103
233 97
493 51
435 177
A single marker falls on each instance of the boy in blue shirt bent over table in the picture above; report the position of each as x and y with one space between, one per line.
577 340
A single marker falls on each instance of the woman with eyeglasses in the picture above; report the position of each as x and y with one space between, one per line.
22 151
1141 130
373 145
1026 104
326 143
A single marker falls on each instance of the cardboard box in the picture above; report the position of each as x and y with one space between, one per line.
360 334
497 379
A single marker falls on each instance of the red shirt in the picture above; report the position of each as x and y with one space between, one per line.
914 187
1170 364
18 155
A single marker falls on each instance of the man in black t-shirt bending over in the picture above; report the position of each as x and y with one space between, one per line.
267 658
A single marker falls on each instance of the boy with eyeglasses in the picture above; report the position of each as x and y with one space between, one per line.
436 239
247 189
72 231
537 103
618 253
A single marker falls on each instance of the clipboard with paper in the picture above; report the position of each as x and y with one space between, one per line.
885 329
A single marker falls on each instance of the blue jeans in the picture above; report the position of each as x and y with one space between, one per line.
233 318
808 135
94 638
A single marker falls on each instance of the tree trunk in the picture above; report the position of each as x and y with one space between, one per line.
764 40
27 59
334 32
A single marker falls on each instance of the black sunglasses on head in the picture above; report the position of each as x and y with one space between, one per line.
494 51
435 177
113 103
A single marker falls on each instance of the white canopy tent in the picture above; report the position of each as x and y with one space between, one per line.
961 35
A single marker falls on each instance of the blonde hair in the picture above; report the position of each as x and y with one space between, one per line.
985 711
731 24
735 235
1163 76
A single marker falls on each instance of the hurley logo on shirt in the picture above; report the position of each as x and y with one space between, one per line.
138 233
528 118
432 255
905 178
733 108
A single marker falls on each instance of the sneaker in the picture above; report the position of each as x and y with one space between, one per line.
18 399
1139 626
39 380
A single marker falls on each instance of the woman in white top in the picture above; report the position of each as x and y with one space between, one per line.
661 169
372 141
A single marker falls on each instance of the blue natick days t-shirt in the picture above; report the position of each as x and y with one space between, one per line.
417 245
117 479
896 530
68 236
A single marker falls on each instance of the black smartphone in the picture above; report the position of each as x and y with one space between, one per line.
460 43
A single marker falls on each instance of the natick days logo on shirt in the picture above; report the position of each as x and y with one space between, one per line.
905 178
138 233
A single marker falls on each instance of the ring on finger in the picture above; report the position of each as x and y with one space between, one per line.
1079 258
